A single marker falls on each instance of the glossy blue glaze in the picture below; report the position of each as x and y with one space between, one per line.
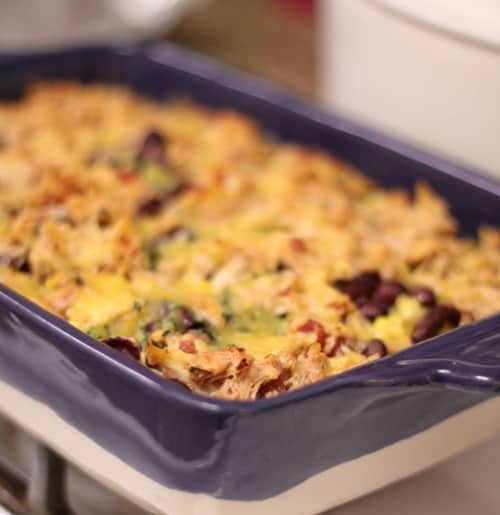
250 450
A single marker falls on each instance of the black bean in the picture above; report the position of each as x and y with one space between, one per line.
432 322
452 315
150 207
373 347
123 345
388 291
372 310
424 295
361 287
152 149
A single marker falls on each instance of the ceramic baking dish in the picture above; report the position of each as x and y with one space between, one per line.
305 451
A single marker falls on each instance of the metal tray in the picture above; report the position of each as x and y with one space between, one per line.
207 452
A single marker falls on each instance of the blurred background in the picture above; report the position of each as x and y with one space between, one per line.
275 39
272 38
426 71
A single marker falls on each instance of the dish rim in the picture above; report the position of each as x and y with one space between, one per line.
369 374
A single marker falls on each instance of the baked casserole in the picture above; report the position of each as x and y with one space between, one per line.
222 259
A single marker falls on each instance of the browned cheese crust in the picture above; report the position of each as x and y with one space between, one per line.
228 262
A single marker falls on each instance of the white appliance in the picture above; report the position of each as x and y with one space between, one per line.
427 71
27 26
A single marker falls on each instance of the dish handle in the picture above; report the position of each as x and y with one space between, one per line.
466 359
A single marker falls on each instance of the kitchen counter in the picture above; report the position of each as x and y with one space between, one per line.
465 485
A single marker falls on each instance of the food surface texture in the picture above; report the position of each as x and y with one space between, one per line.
194 242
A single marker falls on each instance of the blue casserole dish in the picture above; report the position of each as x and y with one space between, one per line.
175 452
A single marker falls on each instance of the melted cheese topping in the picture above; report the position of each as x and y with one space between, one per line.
189 240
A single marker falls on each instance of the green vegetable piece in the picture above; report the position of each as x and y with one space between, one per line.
159 178
99 332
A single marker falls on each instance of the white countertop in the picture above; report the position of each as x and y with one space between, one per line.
465 485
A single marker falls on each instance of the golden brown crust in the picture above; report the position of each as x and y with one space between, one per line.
236 265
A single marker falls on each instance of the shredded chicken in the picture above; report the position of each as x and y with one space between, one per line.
221 259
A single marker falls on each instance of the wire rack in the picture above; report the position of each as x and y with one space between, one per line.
34 480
